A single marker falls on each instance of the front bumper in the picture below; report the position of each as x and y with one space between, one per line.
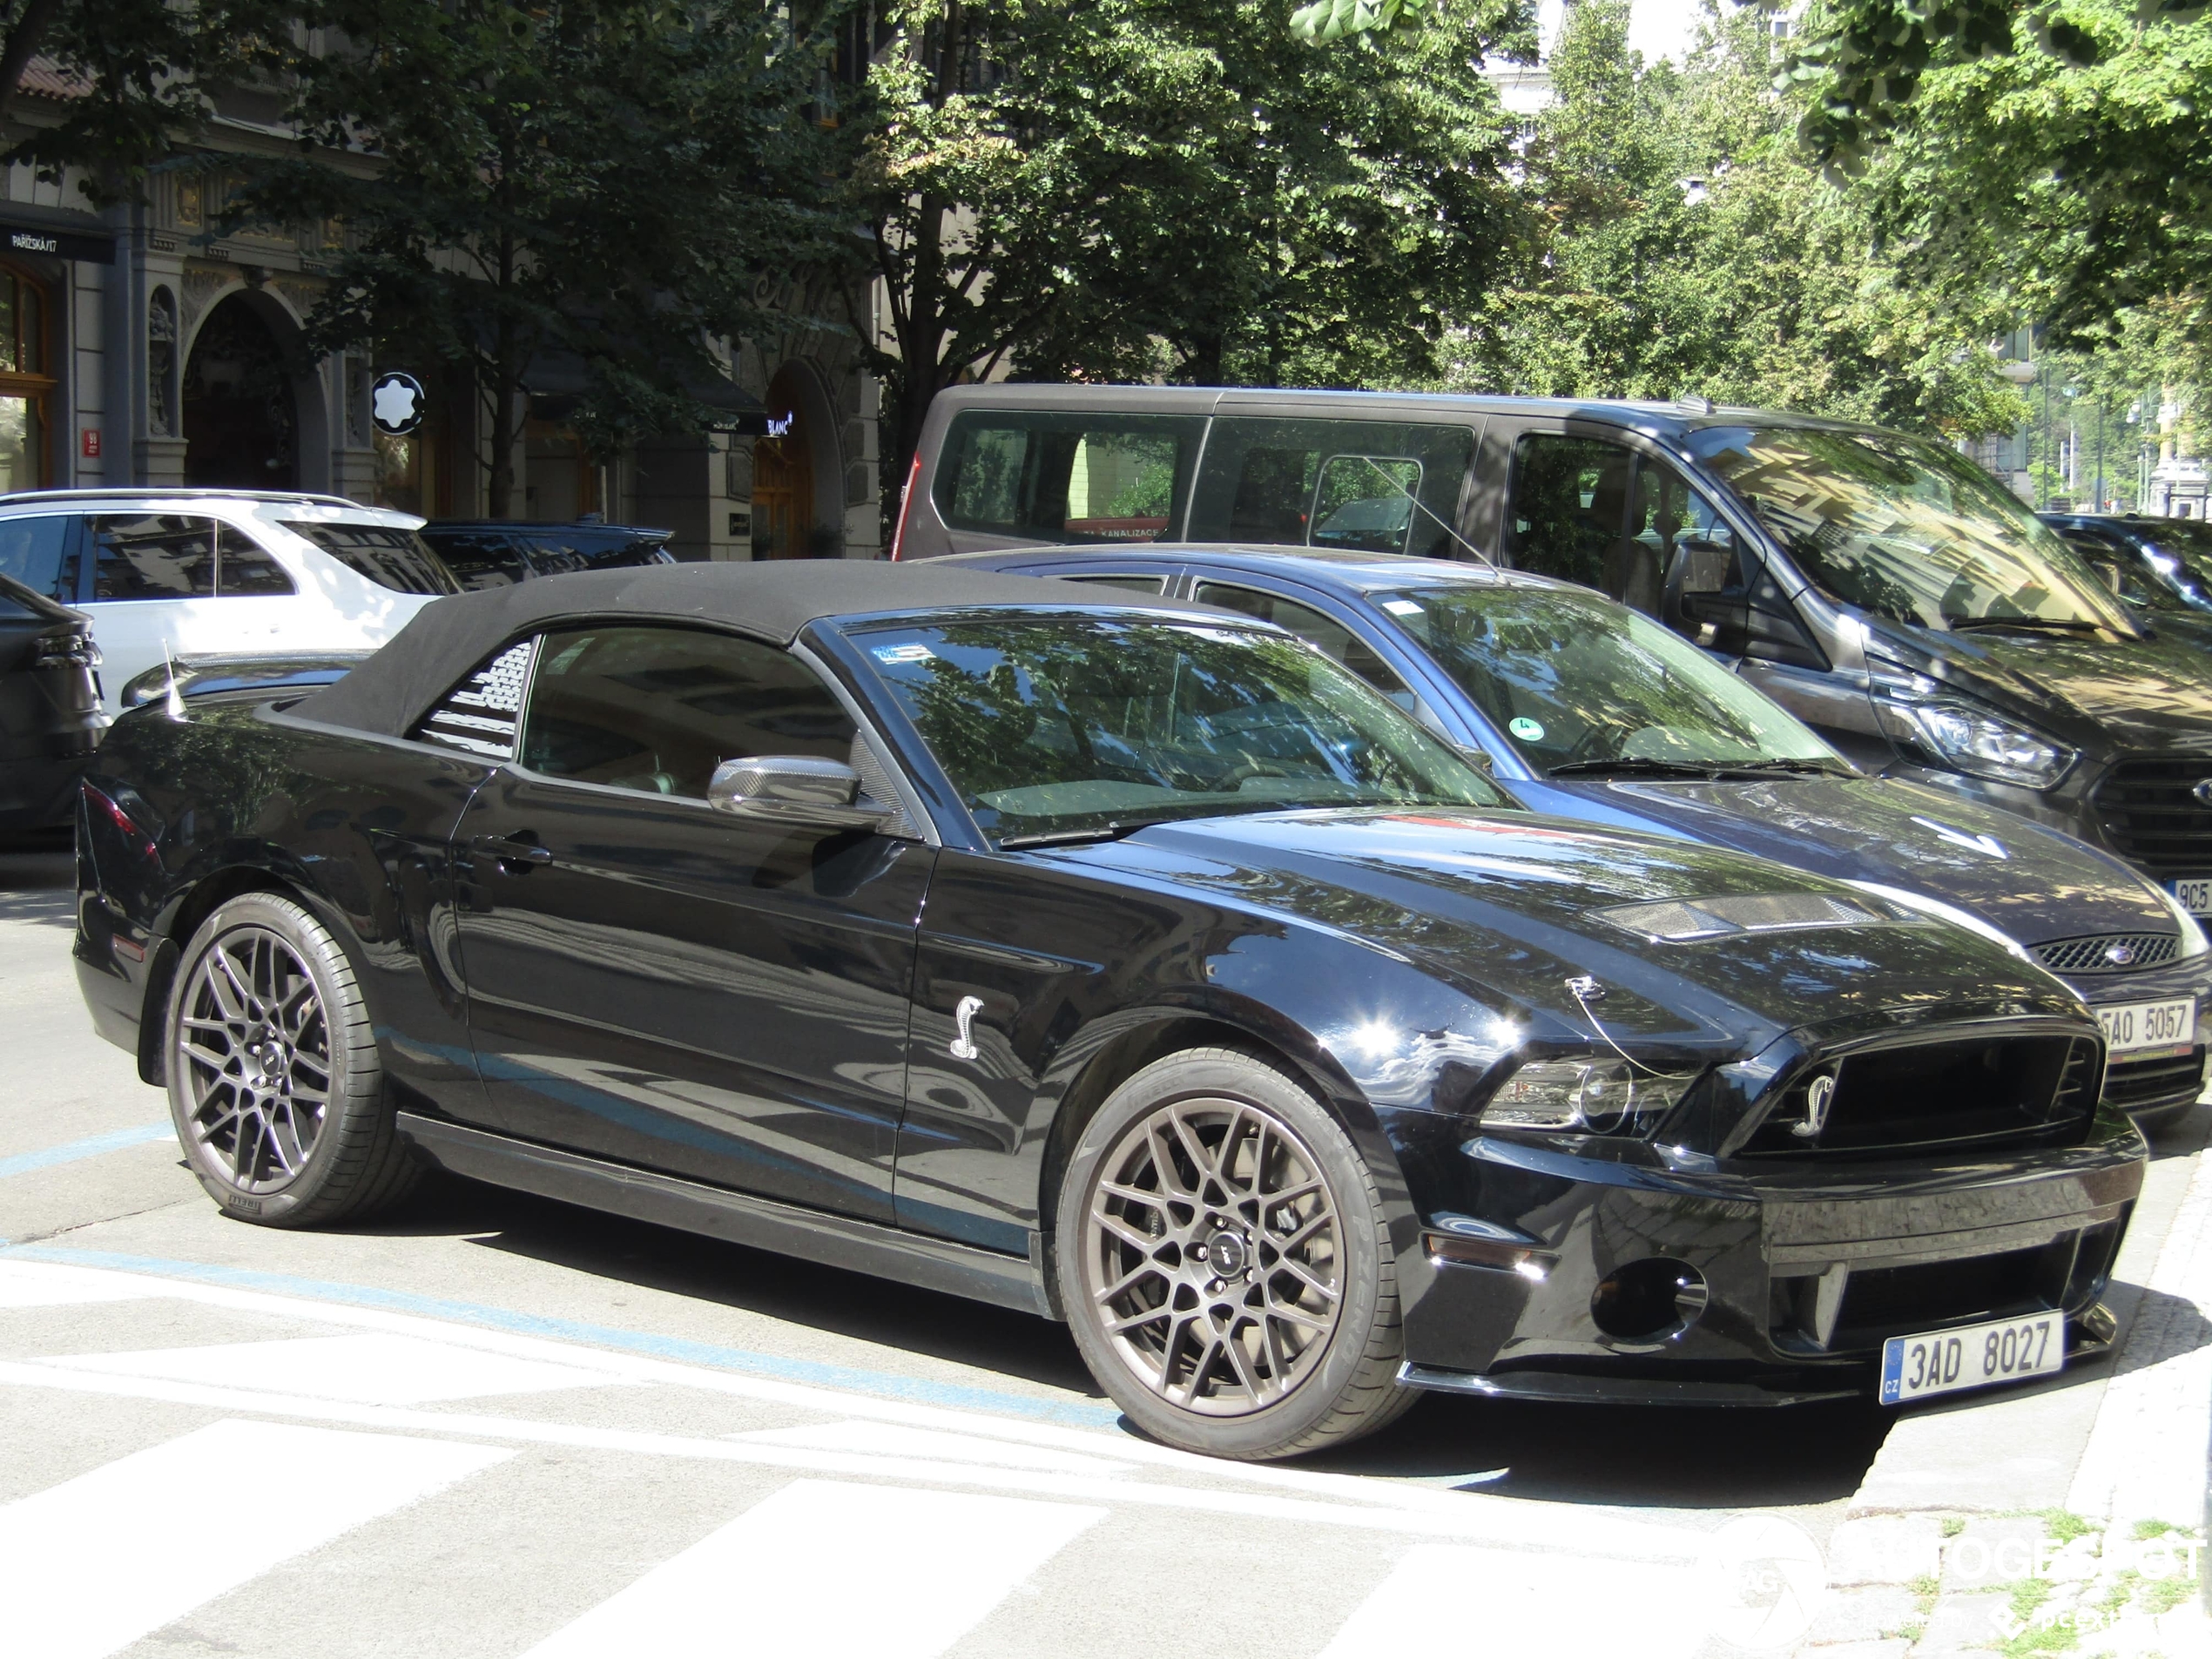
1804 1270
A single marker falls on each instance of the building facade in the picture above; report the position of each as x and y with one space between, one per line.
138 348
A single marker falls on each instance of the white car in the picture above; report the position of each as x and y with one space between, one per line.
174 573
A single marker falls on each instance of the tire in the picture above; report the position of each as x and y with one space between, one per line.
1185 1306
264 1017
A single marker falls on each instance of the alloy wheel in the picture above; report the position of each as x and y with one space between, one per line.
255 1048
1214 1256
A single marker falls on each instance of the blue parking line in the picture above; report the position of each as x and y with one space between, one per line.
814 1373
91 1147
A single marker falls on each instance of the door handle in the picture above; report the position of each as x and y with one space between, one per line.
505 850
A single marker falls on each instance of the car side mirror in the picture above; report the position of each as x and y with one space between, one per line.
797 789
1706 565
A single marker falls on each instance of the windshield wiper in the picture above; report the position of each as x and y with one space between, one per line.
1079 837
2065 625
1652 768
1826 768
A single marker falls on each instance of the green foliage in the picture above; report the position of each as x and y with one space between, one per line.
1174 188
152 72
602 182
2079 190
1682 246
1326 20
2064 1526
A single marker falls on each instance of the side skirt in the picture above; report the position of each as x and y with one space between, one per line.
670 1201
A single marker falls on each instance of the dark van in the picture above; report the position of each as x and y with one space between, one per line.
1882 587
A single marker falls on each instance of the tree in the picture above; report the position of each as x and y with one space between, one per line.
605 182
2078 184
1172 188
148 72
1685 248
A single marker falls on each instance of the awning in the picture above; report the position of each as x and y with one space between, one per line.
557 383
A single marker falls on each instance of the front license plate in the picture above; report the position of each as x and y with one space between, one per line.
1913 1367
2134 1029
2194 895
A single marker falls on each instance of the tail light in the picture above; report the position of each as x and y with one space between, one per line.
65 650
106 810
905 507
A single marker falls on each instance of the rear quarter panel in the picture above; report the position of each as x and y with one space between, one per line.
355 828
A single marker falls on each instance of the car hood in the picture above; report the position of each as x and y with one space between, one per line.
2033 884
2143 695
1507 907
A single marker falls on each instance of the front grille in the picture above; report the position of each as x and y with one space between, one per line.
2108 952
1938 1096
2144 1085
2150 812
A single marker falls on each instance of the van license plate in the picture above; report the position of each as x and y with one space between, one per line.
1914 1368
2194 895
2134 1029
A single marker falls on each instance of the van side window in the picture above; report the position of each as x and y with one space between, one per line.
1336 642
1055 477
153 555
1569 509
1377 486
31 552
242 568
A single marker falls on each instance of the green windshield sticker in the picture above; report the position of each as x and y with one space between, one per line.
1526 730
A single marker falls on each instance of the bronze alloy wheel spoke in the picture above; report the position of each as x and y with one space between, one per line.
253 1052
1218 1313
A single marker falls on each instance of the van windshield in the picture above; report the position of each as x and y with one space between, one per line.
1909 530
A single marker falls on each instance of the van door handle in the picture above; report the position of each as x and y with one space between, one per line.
505 850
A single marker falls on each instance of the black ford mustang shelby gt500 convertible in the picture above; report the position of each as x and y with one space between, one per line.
1125 963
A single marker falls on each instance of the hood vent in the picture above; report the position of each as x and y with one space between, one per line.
1679 921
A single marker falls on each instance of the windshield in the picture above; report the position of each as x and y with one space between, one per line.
1059 725
1576 681
1907 529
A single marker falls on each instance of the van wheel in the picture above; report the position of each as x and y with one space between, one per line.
1225 1264
274 1082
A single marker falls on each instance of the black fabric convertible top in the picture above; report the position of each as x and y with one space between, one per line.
449 638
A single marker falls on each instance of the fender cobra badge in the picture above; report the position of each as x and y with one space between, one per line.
1819 1094
963 1045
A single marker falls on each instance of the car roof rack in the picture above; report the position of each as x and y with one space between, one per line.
188 492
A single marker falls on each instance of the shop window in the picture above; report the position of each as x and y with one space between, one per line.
26 381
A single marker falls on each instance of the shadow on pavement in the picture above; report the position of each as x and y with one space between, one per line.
1671 1458
782 1287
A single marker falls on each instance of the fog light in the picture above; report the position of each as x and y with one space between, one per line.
1658 1297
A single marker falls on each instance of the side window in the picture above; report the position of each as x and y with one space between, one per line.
1128 583
243 568
1381 486
32 549
390 558
1568 515
1067 477
658 708
152 556
482 558
1335 640
480 715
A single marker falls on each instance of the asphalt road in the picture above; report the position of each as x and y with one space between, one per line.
494 1426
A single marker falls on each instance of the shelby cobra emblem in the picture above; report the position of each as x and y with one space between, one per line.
1818 1094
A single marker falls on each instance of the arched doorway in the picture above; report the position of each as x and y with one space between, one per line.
782 475
241 425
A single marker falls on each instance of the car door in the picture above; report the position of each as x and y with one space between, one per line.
657 982
153 591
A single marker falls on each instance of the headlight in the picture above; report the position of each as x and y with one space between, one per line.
1976 742
1597 1096
2194 942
